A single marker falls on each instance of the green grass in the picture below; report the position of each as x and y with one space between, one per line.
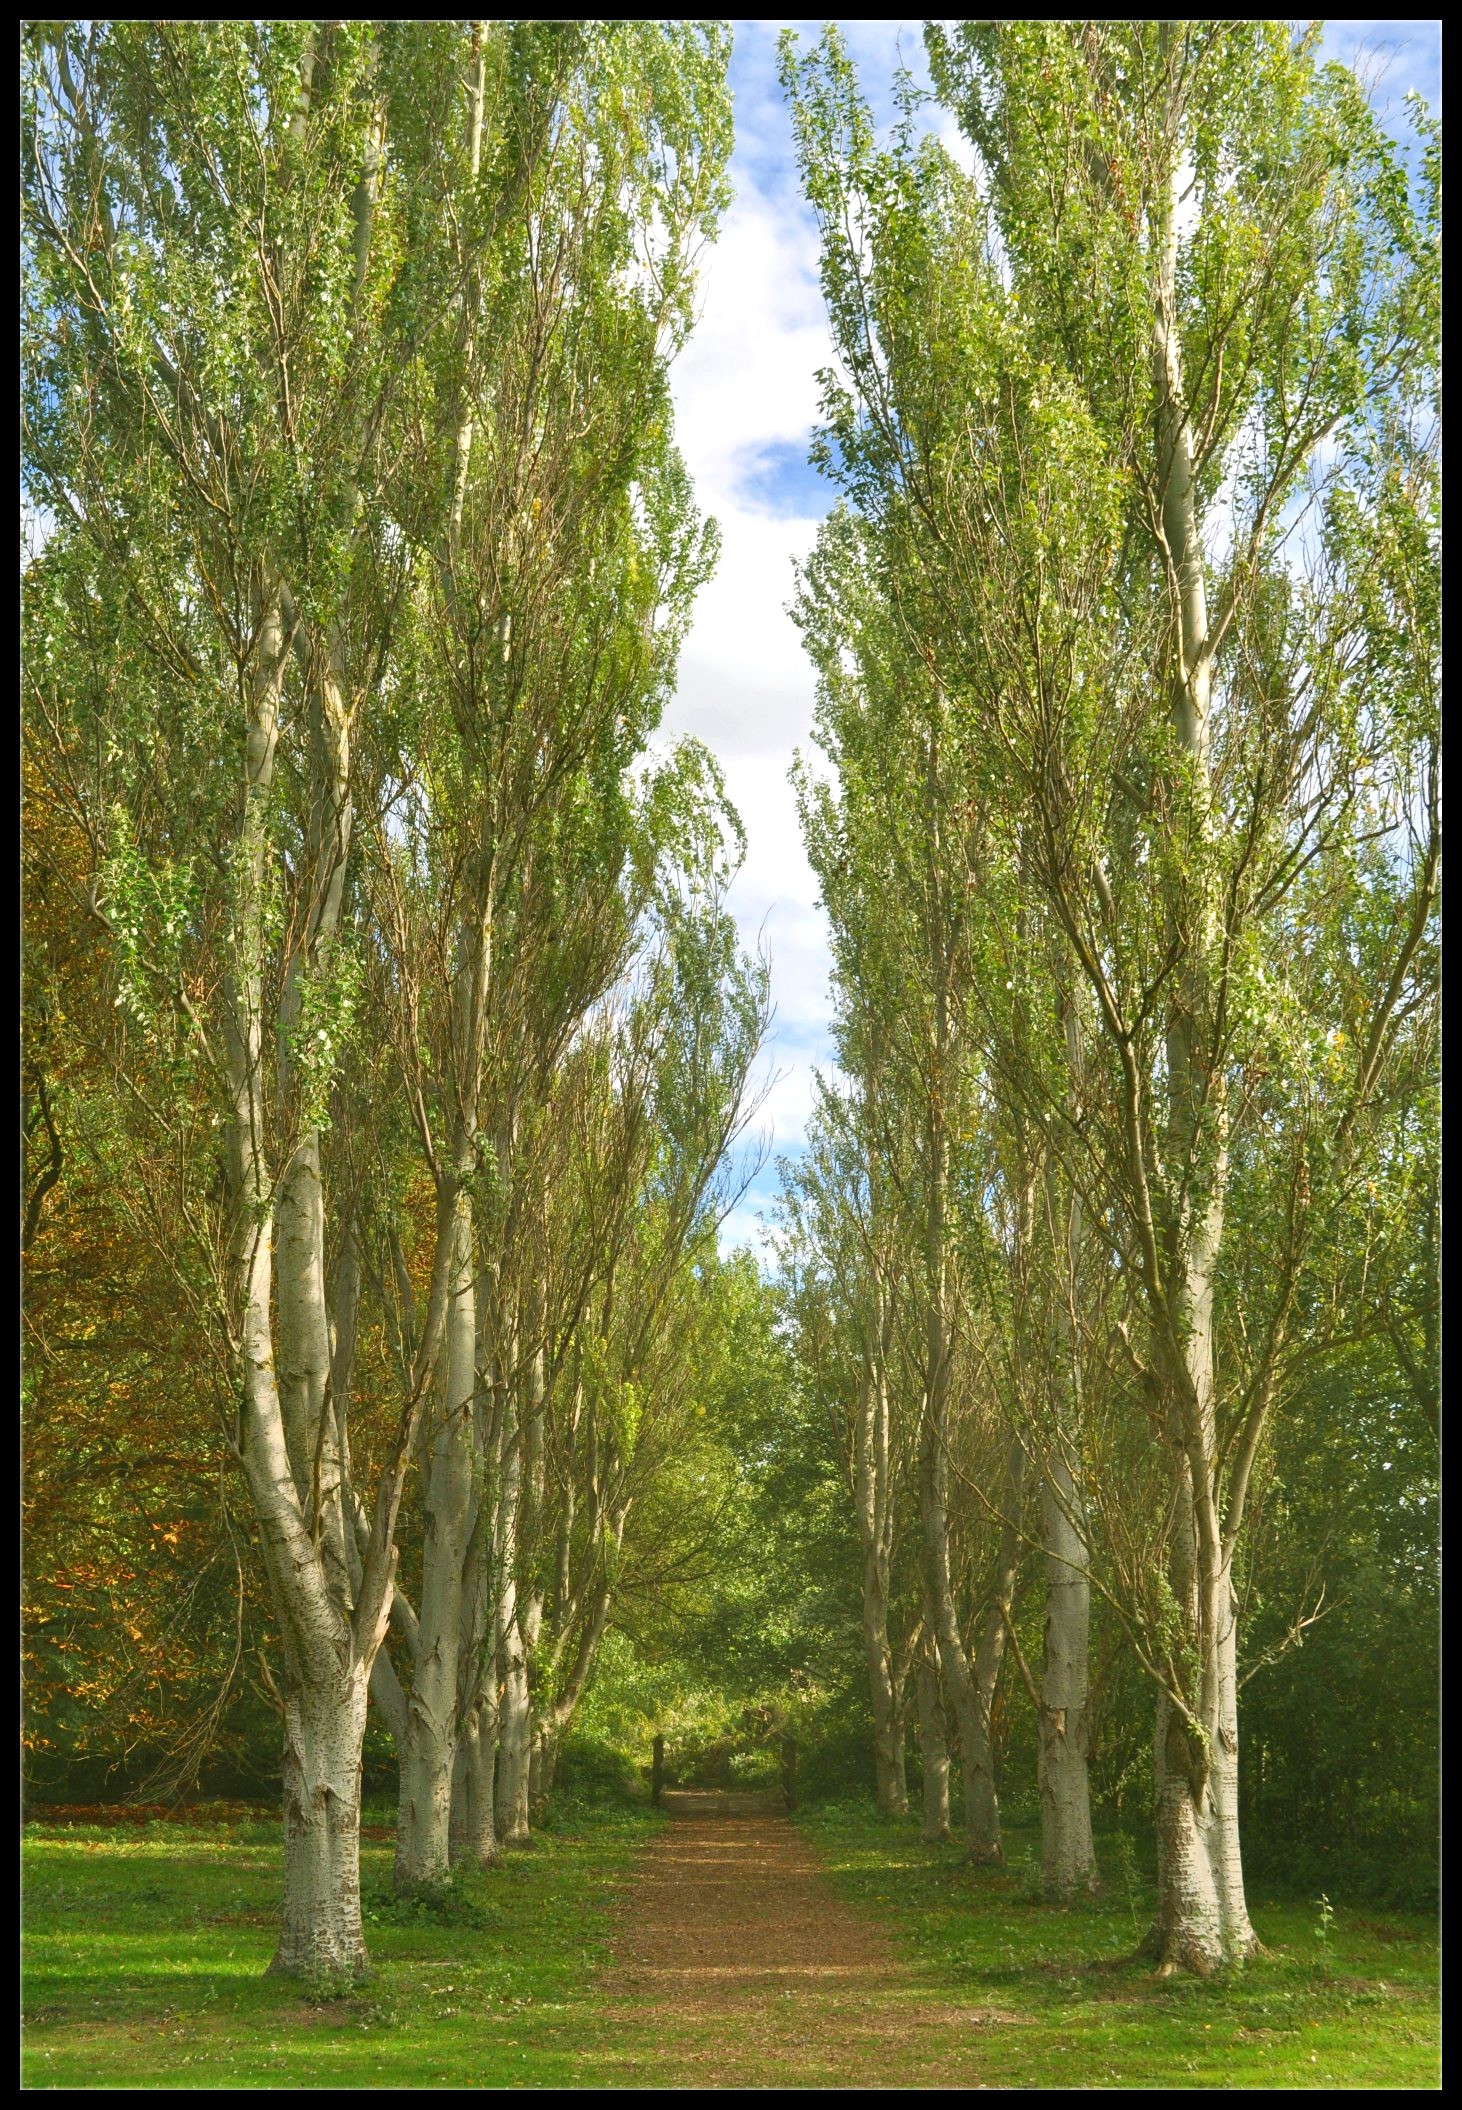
1359 2009
145 1947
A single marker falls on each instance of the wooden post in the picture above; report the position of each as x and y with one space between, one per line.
789 1771
657 1771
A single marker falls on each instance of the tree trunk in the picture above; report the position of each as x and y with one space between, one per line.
971 1687
1202 1916
472 1832
872 1502
423 1835
423 1850
514 1720
981 1812
971 1719
983 1819
1240 1939
388 1698
304 1318
893 1796
543 1763
789 1771
326 1663
324 1724
531 1596
313 1420
514 1717
515 1736
977 1753
933 1747
1068 1857
594 1619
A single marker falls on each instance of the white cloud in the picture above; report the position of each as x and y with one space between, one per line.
747 377
745 384
746 1226
745 685
957 144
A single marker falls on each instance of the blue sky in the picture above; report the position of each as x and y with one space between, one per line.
746 398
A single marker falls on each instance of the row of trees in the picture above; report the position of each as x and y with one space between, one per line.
381 990
385 1029
1126 634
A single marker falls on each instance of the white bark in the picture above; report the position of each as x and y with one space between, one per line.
1202 1918
514 1717
515 1737
933 1746
1068 1856
424 1813
982 1805
872 1501
326 1663
544 1762
324 1724
531 1597
472 1834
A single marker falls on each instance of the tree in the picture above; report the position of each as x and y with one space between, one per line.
261 260
1188 259
204 386
893 850
562 569
842 1253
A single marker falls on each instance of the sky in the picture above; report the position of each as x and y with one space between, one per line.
746 399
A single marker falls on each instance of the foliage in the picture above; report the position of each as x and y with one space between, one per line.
1129 845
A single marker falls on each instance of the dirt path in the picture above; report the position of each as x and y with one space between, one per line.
754 1973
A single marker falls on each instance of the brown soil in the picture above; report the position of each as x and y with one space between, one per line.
752 1972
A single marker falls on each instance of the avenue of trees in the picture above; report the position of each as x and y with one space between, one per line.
1126 630
388 1046
410 1031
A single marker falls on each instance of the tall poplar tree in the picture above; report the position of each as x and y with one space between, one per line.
1115 408
327 557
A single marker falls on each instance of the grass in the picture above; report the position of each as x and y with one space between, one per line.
1340 2000
144 1951
145 1948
